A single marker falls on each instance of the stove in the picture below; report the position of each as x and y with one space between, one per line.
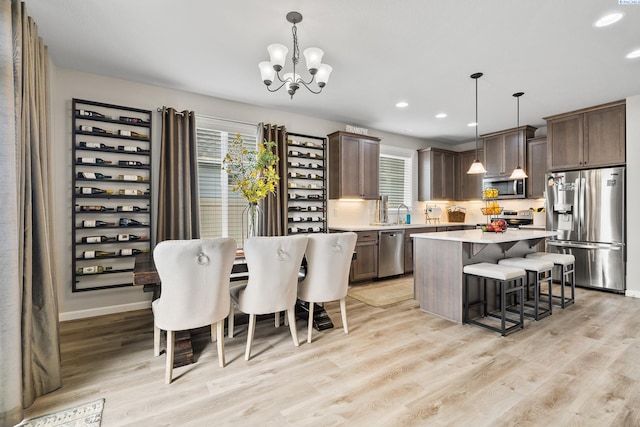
516 218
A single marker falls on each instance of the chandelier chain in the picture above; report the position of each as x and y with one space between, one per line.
296 50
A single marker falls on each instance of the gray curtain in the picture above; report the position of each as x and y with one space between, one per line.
274 206
178 203
29 347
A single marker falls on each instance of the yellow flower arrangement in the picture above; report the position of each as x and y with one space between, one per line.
253 172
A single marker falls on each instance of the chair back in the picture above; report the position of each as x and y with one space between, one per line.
194 276
328 263
273 264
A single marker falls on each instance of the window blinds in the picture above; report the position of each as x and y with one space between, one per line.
396 179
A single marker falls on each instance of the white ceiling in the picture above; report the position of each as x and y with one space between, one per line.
382 52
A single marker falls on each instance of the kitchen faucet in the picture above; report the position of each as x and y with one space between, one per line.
402 205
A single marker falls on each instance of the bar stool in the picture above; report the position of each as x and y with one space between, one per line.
541 270
510 281
566 265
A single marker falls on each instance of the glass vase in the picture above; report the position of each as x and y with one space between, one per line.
252 215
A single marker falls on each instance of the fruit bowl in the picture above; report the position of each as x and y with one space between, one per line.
492 210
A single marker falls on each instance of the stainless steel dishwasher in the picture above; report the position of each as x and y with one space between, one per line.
390 253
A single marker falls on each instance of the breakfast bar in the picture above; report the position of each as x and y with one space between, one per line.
438 260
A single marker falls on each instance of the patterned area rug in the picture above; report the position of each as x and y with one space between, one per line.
378 294
85 415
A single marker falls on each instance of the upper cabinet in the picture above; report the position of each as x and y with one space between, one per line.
536 167
588 138
436 174
353 166
501 150
469 185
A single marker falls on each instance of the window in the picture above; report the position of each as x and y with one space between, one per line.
396 175
220 208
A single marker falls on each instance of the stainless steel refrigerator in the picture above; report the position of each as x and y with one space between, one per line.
587 208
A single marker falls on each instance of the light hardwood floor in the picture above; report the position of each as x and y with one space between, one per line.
397 367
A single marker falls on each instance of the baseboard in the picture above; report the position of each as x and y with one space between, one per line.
101 311
634 294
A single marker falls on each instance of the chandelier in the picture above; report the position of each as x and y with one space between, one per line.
292 81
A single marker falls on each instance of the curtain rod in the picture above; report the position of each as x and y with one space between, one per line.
218 118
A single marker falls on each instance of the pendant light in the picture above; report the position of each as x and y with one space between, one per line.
476 166
518 173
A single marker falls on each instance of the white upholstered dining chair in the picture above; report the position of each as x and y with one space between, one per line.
273 264
194 275
328 263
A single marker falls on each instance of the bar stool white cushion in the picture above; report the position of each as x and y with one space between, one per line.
559 259
493 271
530 264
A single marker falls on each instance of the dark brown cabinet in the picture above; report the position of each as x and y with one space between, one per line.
536 167
365 261
505 150
353 166
592 137
436 174
469 185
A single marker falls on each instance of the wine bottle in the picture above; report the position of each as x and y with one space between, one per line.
130 192
313 176
93 161
132 120
89 113
92 190
314 166
294 153
129 209
95 209
294 164
94 269
96 254
132 251
93 175
131 149
94 239
132 133
293 229
130 222
130 163
296 175
132 178
84 144
129 237
92 223
93 129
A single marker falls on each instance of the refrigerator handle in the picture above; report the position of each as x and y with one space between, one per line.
577 208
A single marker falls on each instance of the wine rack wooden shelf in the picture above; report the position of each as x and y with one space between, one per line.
111 215
306 184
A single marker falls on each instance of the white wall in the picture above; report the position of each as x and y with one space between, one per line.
633 201
67 84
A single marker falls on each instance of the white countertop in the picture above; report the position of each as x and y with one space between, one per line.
397 226
479 236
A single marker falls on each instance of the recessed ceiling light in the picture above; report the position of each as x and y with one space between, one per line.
609 19
472 124
441 115
633 55
402 104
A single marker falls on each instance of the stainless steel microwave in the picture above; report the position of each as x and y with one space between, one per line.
507 188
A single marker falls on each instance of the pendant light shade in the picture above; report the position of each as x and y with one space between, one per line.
476 167
518 173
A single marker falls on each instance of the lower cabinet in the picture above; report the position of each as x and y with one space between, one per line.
365 261
408 246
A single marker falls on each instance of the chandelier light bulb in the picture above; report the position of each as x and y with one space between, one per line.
277 55
267 72
322 76
313 56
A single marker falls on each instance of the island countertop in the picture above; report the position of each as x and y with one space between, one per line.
486 237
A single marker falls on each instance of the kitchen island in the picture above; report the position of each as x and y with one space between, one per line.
438 260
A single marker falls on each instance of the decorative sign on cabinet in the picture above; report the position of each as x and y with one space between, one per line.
306 184
111 215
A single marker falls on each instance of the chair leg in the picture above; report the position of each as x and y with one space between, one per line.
156 341
291 312
231 321
213 332
252 327
343 312
169 367
286 320
277 319
310 323
220 333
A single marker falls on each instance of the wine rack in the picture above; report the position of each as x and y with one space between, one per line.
306 184
111 176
